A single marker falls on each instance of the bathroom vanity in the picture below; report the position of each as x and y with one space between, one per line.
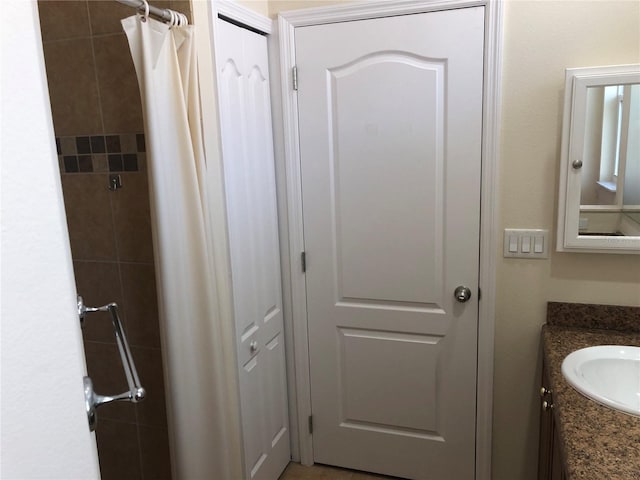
579 438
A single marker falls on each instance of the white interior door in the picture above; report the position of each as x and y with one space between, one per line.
245 110
390 121
41 353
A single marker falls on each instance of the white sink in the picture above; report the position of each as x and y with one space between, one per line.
607 374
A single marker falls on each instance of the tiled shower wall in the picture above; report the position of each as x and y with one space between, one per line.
97 117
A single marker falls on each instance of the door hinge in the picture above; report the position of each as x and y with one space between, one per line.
311 424
303 261
294 76
479 293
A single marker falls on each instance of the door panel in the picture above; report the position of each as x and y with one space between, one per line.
390 120
379 192
243 74
370 383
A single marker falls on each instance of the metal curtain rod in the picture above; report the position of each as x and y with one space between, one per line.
158 13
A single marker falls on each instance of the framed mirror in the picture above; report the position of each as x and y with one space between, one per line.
599 202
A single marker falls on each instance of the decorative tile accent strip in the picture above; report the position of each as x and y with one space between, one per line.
102 153
83 144
115 162
70 163
583 315
130 162
141 143
113 143
97 145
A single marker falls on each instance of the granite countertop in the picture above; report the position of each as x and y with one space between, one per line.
596 442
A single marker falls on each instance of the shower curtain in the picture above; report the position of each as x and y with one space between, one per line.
165 63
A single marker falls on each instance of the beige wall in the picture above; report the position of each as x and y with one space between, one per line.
541 39
259 6
276 6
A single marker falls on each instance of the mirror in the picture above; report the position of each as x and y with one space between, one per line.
599 204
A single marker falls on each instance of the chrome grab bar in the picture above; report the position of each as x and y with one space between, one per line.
136 392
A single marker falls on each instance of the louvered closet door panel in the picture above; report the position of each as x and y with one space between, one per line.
243 78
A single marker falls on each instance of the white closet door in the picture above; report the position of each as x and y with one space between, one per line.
390 118
247 143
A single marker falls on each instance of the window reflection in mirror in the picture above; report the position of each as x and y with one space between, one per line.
611 162
612 146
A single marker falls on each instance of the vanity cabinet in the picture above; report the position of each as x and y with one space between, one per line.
549 456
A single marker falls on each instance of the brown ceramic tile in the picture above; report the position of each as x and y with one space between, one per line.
83 145
118 450
113 144
140 141
142 162
295 471
368 476
119 93
154 452
63 19
128 143
105 16
99 284
132 219
140 304
97 144
115 162
100 163
163 4
151 411
68 145
72 87
105 369
182 6
70 163
130 162
85 164
89 218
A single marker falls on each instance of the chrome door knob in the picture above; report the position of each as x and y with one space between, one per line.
576 164
462 294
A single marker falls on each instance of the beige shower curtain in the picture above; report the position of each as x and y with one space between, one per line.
165 62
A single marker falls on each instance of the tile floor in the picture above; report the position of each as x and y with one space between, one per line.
295 471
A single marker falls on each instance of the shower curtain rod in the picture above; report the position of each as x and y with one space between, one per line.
158 13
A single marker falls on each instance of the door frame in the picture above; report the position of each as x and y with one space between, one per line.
290 186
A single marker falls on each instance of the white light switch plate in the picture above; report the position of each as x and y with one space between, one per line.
526 243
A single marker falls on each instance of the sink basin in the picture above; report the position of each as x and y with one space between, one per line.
607 374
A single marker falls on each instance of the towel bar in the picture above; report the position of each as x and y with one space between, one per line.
136 392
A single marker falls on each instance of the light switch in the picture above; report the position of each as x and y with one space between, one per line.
525 243
513 243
